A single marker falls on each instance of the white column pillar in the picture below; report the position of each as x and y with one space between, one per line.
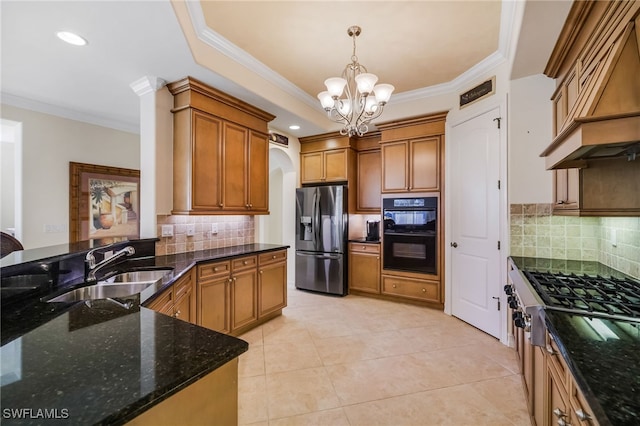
156 152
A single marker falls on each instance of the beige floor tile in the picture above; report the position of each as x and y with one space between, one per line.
289 356
364 361
252 400
374 379
251 363
507 395
292 393
457 405
335 417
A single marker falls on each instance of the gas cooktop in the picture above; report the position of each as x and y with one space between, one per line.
618 297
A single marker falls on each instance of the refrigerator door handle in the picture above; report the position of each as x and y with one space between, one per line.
316 218
320 256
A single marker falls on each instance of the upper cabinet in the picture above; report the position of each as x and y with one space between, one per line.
596 111
412 154
596 103
369 169
220 152
326 158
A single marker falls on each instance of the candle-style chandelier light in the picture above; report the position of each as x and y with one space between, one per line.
363 100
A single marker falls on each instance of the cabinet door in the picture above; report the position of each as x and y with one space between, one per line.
557 407
335 165
214 304
424 164
182 309
395 168
273 288
206 159
311 167
258 172
369 181
566 189
235 167
364 272
244 306
163 303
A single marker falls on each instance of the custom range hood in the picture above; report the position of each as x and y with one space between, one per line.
597 102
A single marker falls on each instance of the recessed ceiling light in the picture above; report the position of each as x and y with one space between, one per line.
294 127
71 38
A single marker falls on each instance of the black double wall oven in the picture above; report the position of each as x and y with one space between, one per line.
410 233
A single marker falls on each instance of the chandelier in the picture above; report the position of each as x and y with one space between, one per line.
363 100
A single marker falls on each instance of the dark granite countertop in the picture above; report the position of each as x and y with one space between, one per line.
602 354
107 364
605 362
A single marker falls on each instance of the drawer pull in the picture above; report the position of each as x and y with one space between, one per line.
559 413
274 256
244 262
394 286
550 350
177 314
215 269
424 290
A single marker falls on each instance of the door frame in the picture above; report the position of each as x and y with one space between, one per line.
455 119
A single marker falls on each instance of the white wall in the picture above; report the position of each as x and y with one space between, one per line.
49 143
530 133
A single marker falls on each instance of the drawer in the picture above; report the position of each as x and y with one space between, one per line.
272 256
410 288
244 263
213 270
364 247
555 358
164 302
181 286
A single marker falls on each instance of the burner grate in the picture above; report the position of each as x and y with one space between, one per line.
606 295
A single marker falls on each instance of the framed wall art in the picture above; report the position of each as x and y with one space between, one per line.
104 202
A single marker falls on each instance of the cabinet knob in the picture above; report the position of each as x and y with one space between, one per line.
364 247
221 205
424 290
550 351
215 269
250 205
274 256
261 272
244 262
377 257
582 415
394 286
177 314
559 413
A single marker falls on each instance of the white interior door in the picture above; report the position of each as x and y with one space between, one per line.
475 222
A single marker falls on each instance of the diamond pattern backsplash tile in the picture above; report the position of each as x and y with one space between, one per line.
535 232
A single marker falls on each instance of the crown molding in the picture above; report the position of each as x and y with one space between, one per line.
224 46
71 114
147 84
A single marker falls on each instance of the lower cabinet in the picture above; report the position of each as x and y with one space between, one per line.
239 294
178 301
411 288
553 397
272 283
364 267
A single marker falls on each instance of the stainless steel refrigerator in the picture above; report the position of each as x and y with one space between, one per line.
321 239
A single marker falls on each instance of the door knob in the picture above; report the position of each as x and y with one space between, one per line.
454 244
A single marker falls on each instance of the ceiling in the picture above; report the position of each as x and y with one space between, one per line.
272 54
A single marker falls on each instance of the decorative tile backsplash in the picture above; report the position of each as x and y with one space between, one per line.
535 232
231 231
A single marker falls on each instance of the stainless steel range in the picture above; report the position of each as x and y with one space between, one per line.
532 291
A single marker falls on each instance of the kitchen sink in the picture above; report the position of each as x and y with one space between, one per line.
117 286
102 291
136 276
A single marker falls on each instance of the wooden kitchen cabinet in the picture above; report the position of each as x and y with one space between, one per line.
411 166
216 138
178 300
566 193
238 294
411 288
369 165
364 268
413 154
214 307
272 282
324 167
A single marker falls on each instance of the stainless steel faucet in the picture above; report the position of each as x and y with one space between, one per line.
93 267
